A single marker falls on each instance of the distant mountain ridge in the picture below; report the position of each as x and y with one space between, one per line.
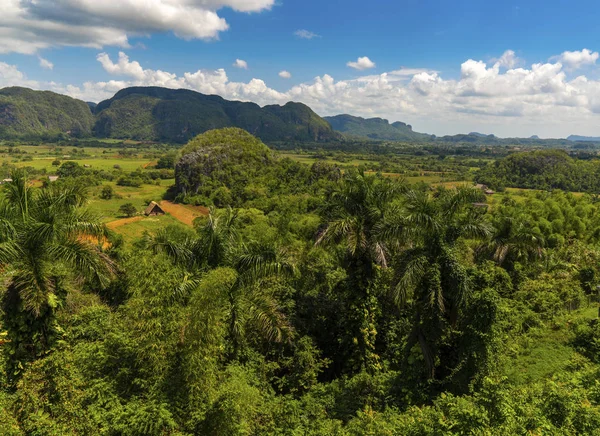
177 115
25 112
154 114
161 114
584 138
375 128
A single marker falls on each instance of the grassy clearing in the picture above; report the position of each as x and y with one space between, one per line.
108 163
139 197
310 159
134 228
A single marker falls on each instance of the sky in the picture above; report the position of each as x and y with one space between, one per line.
517 68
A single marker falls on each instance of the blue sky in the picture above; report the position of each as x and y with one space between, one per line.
510 68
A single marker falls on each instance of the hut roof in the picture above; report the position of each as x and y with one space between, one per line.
153 207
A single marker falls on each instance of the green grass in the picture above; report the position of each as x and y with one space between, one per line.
309 159
99 164
109 209
135 230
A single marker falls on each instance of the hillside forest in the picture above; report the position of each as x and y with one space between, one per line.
365 289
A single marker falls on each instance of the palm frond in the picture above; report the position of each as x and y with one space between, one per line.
265 315
410 273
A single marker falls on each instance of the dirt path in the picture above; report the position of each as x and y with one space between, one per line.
122 222
185 214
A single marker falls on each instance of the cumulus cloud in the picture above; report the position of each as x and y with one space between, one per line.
45 63
27 26
11 76
363 63
285 74
239 63
306 34
577 59
540 99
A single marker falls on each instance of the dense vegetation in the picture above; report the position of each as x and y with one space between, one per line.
27 113
312 299
549 169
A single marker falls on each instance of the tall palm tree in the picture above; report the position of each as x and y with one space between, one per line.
429 276
46 240
249 303
360 214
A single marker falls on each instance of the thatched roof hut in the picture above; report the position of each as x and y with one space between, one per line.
153 209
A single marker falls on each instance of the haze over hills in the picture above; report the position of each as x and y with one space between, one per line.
584 138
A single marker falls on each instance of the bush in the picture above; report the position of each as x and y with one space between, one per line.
107 192
128 209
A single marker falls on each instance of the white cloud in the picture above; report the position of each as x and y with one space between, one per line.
11 76
363 63
285 74
239 63
508 60
45 63
306 34
539 99
577 59
27 26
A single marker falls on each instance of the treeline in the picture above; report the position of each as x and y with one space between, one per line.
550 169
311 302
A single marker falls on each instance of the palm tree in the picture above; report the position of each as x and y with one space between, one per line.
511 241
429 275
212 248
46 240
249 303
360 215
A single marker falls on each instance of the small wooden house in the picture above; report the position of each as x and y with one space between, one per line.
154 209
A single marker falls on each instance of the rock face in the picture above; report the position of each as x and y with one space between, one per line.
178 115
225 157
25 112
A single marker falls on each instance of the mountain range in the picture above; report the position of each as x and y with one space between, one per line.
154 114
375 128
177 115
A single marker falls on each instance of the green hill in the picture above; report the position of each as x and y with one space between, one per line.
160 114
25 112
374 128
221 158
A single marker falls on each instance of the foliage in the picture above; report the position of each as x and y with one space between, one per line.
128 209
310 299
548 169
